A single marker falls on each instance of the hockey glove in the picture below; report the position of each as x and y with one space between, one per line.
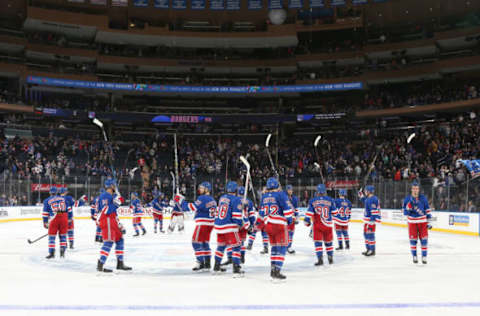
360 193
118 200
179 199
122 229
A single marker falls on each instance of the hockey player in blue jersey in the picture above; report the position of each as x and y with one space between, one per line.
94 213
417 211
249 220
137 212
228 221
56 218
70 204
112 229
252 234
158 205
320 213
371 217
276 213
204 208
342 219
291 228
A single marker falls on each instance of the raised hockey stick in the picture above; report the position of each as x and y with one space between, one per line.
35 240
100 124
317 164
173 183
267 143
372 165
251 183
247 176
409 139
177 183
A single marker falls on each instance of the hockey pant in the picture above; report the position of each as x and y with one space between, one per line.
58 224
228 239
369 234
322 234
418 231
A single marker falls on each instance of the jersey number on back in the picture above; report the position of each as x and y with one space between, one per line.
59 207
223 210
322 211
270 210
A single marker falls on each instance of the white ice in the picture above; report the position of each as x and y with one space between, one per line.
162 281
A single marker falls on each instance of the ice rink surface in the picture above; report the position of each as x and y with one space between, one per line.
162 282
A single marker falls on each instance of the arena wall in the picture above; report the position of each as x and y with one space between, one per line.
448 222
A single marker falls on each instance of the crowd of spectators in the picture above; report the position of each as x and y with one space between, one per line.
422 93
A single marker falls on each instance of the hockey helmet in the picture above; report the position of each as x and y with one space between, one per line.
232 187
321 189
272 183
206 185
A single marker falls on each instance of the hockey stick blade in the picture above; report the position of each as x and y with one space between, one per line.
97 122
317 140
245 162
267 142
409 139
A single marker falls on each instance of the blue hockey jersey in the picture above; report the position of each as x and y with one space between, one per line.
276 208
372 209
158 205
53 205
229 217
321 209
204 207
344 211
136 207
294 200
249 213
70 201
106 206
94 206
417 210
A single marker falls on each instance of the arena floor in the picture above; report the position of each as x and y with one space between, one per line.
162 281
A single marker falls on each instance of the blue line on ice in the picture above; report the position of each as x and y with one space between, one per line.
243 307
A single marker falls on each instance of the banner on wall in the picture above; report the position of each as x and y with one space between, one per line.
233 5
336 3
77 1
161 4
58 82
275 4
217 4
198 4
99 2
140 3
45 187
255 4
295 4
179 4
119 3
356 2
317 3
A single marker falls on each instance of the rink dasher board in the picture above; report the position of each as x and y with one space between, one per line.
447 222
